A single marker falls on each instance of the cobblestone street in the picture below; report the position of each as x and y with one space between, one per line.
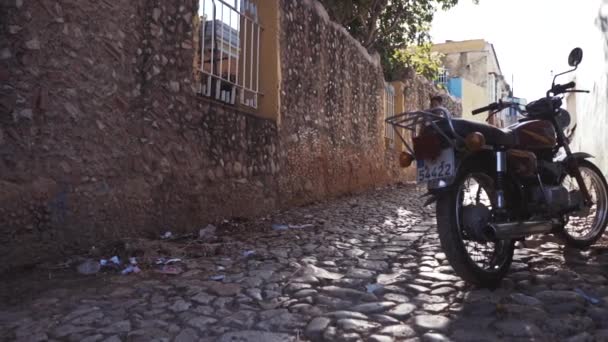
370 269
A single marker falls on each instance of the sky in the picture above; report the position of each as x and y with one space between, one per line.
531 37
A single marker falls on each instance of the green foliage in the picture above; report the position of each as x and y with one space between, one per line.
387 26
418 58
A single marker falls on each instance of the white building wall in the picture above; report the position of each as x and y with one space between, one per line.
592 109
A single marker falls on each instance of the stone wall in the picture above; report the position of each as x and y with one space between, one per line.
102 135
332 133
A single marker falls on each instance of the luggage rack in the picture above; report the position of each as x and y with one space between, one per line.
411 121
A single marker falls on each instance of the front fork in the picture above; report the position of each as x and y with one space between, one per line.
573 169
501 174
572 163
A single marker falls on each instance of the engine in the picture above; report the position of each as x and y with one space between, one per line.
555 200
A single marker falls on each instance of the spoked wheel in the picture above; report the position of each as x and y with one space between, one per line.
462 218
585 227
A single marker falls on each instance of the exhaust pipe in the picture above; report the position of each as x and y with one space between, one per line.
518 230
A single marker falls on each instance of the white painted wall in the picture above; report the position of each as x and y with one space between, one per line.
592 109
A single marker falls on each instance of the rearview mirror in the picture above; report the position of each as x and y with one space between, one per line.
575 58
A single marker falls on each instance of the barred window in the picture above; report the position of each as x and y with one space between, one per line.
389 110
229 50
443 77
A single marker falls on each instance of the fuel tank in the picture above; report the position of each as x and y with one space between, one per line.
534 135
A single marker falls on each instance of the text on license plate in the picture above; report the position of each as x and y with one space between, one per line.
442 167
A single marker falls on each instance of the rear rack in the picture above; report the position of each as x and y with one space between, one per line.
411 120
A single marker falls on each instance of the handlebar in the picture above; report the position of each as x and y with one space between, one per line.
562 88
496 106
491 106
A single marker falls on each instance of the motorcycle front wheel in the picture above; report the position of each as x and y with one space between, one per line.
583 228
479 262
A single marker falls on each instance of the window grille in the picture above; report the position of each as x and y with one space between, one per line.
444 77
389 110
230 51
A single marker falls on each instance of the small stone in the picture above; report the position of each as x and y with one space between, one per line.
282 322
33 44
238 168
346 293
187 335
330 334
359 273
384 319
439 276
14 29
435 307
179 306
5 53
319 272
207 232
92 338
434 337
156 14
305 293
255 294
349 324
174 86
117 327
203 298
402 310
394 297
201 322
314 329
432 322
68 329
418 288
373 307
582 337
225 290
71 109
243 319
346 314
380 338
442 291
398 330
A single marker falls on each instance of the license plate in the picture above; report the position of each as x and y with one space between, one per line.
442 167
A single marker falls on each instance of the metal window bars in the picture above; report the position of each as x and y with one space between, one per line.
389 111
444 77
230 51
412 121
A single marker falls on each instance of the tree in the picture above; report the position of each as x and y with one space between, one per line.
418 58
387 26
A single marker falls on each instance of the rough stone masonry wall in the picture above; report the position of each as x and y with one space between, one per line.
332 134
102 136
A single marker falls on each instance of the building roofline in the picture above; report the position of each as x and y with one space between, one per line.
496 57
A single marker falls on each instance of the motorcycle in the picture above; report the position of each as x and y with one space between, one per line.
493 187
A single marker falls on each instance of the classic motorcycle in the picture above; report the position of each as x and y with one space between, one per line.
493 187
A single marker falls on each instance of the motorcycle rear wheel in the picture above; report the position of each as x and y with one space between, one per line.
584 228
483 264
